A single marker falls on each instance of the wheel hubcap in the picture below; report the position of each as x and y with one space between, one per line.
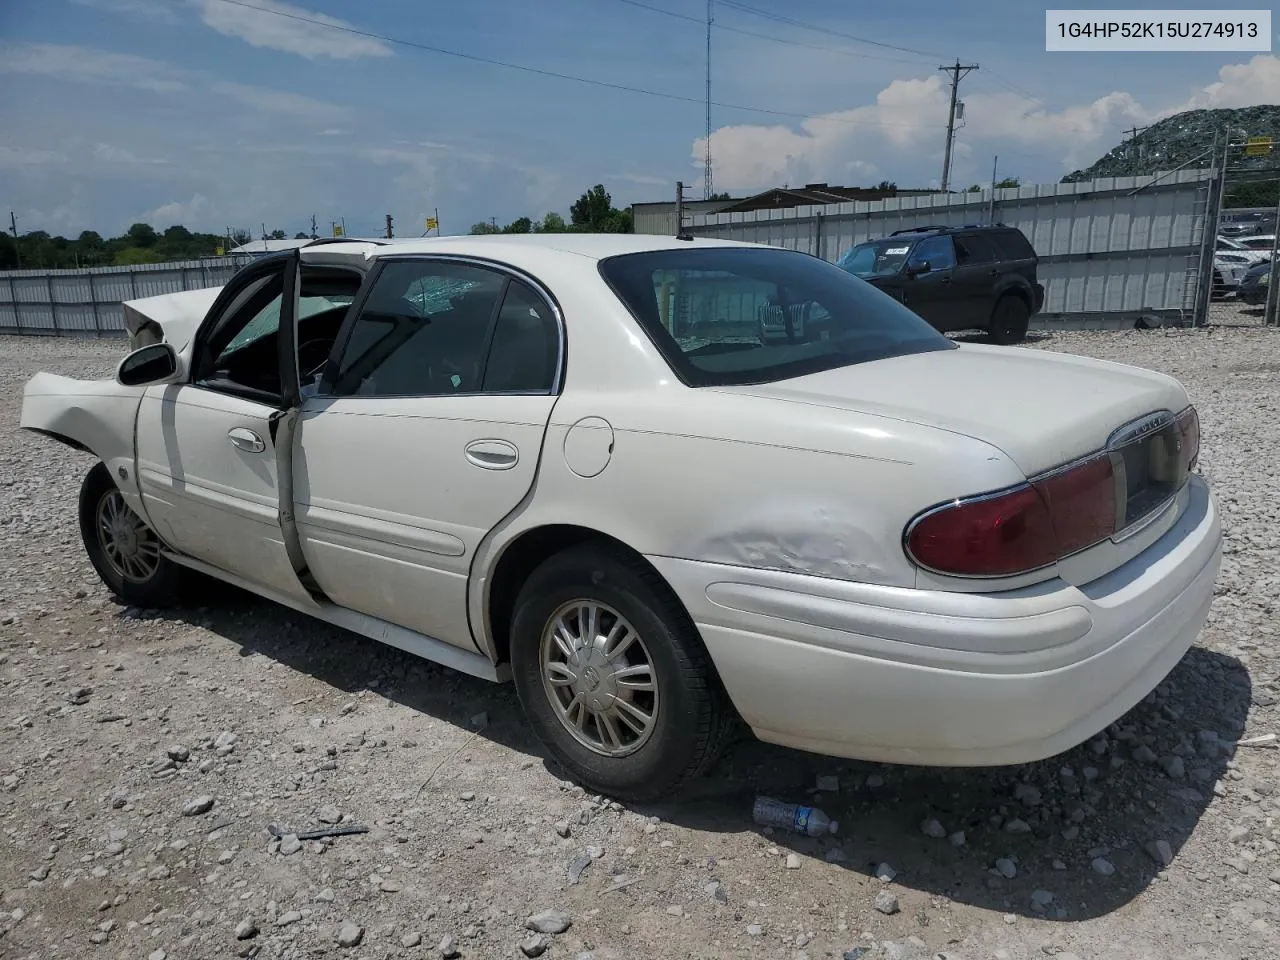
131 549
598 675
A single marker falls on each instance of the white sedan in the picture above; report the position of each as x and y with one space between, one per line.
570 461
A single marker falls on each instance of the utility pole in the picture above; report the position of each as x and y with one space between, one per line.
13 227
706 163
957 72
389 233
313 226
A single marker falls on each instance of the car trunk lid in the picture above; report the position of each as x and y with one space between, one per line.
1041 409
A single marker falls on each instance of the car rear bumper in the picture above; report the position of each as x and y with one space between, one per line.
952 679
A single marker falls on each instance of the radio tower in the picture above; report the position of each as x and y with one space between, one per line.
706 163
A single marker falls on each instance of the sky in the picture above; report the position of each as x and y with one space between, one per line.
223 113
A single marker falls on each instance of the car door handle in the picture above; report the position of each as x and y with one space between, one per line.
243 439
492 454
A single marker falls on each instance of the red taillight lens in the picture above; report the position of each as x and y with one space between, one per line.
1188 427
991 537
1081 503
1024 529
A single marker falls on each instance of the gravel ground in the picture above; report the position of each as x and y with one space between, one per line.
144 758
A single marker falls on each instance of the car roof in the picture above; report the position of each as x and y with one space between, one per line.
513 246
914 232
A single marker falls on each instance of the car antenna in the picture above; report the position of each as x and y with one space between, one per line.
681 232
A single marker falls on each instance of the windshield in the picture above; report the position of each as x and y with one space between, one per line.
878 258
731 315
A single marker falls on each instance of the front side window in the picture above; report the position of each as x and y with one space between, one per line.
938 252
728 315
243 351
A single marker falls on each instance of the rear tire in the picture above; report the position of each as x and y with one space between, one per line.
122 548
1009 320
642 657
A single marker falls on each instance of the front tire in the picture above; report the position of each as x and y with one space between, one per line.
613 676
123 550
1009 320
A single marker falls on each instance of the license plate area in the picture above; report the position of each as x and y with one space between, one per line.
1150 466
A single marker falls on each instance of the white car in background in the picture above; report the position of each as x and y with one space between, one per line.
571 461
1236 249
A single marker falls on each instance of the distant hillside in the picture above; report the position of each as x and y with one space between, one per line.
1177 139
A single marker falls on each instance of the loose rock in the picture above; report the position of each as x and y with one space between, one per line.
887 903
197 806
350 934
549 921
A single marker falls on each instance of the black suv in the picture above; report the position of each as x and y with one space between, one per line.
980 276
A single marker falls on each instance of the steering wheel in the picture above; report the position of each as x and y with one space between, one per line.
313 354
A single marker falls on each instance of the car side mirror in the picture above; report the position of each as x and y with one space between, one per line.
147 366
917 267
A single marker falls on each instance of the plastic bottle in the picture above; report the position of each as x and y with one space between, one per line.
791 816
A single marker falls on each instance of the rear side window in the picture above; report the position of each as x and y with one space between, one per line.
1013 245
423 331
732 315
974 248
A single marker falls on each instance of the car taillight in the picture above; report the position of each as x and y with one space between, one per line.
1022 529
1188 427
992 536
1057 514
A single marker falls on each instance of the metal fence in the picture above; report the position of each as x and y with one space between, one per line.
1112 251
88 302
1245 267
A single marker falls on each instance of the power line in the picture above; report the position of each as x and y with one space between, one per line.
606 84
764 36
827 31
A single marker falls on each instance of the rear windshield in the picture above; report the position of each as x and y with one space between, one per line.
733 315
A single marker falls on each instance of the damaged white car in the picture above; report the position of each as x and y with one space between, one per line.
576 462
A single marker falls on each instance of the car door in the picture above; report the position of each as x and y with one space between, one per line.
932 294
976 276
425 432
207 465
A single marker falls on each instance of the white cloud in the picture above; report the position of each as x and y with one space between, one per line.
195 210
908 119
1240 85
278 101
87 65
25 157
282 26
157 11
110 153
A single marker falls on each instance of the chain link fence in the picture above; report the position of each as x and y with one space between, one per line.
1243 270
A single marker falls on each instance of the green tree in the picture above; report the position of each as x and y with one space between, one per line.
131 256
720 196
484 227
519 225
142 235
1261 193
279 235
552 223
886 185
593 210
301 236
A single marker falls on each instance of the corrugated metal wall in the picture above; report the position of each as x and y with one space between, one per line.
1109 249
88 302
